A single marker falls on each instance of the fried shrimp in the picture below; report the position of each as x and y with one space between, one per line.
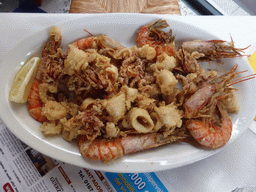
209 133
103 149
97 42
152 36
212 49
210 91
208 119
35 104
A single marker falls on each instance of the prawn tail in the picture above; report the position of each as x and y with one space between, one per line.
169 50
35 104
85 43
100 149
36 113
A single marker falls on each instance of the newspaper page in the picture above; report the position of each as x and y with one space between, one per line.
24 169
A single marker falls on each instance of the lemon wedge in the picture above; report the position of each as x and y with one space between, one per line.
252 61
23 81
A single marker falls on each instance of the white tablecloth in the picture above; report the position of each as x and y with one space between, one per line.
233 167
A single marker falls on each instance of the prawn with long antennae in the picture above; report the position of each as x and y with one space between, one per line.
95 42
104 149
203 95
215 130
213 49
165 42
161 41
211 133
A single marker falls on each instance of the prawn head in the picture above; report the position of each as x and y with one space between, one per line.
213 49
160 40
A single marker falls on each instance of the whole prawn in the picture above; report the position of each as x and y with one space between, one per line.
202 96
50 48
95 42
210 131
161 41
103 149
164 42
213 49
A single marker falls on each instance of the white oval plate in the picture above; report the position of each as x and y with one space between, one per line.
123 28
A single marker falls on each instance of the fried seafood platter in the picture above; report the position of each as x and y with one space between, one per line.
112 101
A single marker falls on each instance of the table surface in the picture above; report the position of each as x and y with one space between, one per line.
233 167
227 7
128 6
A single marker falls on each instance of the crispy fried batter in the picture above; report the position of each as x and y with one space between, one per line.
54 110
93 92
50 128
